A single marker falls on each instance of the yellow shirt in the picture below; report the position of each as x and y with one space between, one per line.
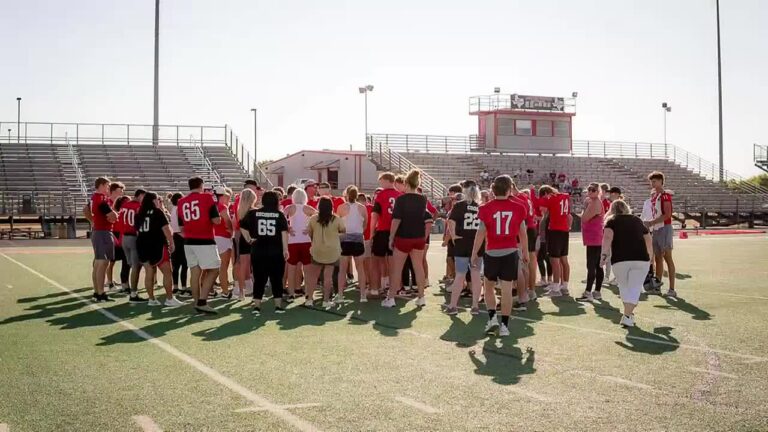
326 245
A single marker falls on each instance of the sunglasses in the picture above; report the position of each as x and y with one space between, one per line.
592 190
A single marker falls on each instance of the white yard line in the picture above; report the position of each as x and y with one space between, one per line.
211 373
3 427
146 424
9 286
416 404
625 382
259 408
713 372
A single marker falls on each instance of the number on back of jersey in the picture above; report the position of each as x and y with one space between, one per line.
265 227
391 205
471 222
191 211
503 221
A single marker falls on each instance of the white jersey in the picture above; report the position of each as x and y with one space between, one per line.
353 221
648 214
298 223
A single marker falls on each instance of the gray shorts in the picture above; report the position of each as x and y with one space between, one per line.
662 239
103 243
131 251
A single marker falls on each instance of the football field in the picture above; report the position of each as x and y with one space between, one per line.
695 363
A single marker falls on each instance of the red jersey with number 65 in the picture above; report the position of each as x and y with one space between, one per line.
127 216
559 207
502 219
385 202
196 212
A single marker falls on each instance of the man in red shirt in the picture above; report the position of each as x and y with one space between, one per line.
127 215
288 200
198 214
527 275
558 206
381 220
324 189
311 189
102 217
661 207
502 222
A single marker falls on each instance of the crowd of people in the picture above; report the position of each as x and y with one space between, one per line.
297 240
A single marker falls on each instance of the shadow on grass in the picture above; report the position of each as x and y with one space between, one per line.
47 310
660 341
504 362
566 306
56 294
677 303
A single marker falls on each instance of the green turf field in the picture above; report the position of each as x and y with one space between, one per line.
699 363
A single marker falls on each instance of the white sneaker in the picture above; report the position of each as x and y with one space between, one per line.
388 303
503 330
153 302
173 302
421 302
564 290
554 291
586 297
541 283
374 292
672 293
597 295
328 305
613 282
492 324
363 299
338 298
532 295
309 303
627 321
449 288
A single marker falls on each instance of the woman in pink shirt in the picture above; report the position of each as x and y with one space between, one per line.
592 235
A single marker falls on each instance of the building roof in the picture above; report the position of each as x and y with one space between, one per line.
325 152
331 163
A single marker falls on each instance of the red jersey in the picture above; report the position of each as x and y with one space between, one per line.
530 222
385 202
367 230
312 202
233 213
195 212
536 203
101 206
337 202
286 202
127 217
606 205
559 206
431 209
657 205
502 219
220 230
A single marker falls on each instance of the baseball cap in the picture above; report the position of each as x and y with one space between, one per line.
615 190
309 184
221 190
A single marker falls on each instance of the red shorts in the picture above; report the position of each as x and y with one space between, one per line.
406 245
299 253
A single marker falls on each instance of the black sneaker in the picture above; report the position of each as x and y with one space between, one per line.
105 298
175 291
206 309
520 307
95 298
185 293
111 286
227 296
279 310
126 291
137 299
288 299
213 294
256 311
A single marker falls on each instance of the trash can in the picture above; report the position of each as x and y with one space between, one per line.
62 231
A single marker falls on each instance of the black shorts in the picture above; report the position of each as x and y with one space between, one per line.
243 247
500 268
380 246
178 256
353 249
119 254
557 243
153 255
532 234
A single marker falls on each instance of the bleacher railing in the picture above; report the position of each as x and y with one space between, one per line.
760 156
383 155
76 168
607 149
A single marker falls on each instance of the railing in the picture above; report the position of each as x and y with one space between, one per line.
429 143
760 156
76 167
205 163
380 152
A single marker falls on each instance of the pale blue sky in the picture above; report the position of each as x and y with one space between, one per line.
300 63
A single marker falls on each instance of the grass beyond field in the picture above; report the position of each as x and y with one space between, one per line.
696 363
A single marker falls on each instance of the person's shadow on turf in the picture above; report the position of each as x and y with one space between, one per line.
505 364
682 305
465 334
659 342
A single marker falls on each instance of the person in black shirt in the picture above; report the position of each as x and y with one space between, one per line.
462 228
411 224
628 243
266 229
154 244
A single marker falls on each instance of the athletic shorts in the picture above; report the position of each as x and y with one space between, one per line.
103 243
353 249
500 268
532 237
335 264
380 246
557 243
204 256
662 239
299 253
223 244
119 254
462 264
154 256
243 247
131 250
368 244
406 245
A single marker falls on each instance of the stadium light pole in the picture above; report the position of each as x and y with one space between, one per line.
255 141
667 108
9 135
719 92
365 90
18 120
156 120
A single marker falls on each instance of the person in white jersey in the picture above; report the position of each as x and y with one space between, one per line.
355 217
299 242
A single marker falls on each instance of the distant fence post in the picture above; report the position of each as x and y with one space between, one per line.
77 133
177 135
446 143
102 134
51 133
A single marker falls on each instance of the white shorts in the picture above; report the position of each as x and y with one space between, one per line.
204 256
630 276
223 244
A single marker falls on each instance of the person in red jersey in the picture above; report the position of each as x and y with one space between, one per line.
502 223
103 241
605 196
244 283
381 221
116 190
288 200
363 199
197 215
128 213
558 207
311 189
118 229
526 281
324 190
223 236
661 211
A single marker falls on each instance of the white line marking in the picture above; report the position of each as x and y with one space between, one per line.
256 409
3 427
273 408
735 295
713 372
418 405
754 361
626 382
9 286
146 424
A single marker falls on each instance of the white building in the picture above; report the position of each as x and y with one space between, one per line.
339 168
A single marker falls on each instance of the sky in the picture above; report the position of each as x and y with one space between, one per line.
300 63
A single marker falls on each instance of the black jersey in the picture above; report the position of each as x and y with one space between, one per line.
411 209
266 228
151 239
464 214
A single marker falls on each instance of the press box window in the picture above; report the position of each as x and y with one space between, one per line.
523 127
543 128
562 129
506 126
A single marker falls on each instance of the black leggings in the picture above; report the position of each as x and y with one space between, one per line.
179 261
545 266
595 273
125 270
267 267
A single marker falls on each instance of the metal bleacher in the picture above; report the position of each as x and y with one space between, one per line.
49 168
